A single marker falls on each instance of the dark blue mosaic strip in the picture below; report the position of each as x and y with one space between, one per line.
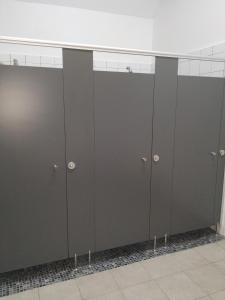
38 276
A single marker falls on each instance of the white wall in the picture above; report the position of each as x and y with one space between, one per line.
186 25
72 25
67 24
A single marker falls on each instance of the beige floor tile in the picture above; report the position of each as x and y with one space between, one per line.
221 266
95 285
130 275
189 259
64 290
173 263
162 266
180 286
211 252
221 244
28 295
218 296
145 291
111 296
208 277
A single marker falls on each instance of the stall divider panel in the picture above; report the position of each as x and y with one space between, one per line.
33 210
198 121
123 137
221 165
79 127
93 160
163 145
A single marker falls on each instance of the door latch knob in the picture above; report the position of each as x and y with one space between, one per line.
222 152
213 153
156 157
71 165
144 159
55 167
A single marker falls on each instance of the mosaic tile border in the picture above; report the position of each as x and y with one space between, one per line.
38 276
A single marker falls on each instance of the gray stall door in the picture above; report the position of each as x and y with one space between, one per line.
123 136
198 118
220 168
33 226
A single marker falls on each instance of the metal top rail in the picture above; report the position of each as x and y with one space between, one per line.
55 44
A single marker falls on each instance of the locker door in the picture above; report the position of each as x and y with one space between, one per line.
123 135
198 118
33 211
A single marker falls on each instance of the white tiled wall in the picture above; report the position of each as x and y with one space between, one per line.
101 62
30 60
114 62
204 68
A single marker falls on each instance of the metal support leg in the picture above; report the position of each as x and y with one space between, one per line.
217 230
166 237
89 258
154 243
75 261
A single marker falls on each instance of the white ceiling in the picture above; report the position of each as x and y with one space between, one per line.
138 8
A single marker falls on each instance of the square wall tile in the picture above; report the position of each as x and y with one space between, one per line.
183 67
205 67
33 60
47 61
194 66
217 66
5 59
17 59
218 74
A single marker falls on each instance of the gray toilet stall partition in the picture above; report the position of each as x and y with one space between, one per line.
33 209
79 129
163 146
123 139
92 160
197 133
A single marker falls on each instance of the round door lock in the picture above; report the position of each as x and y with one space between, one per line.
71 165
156 157
222 152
